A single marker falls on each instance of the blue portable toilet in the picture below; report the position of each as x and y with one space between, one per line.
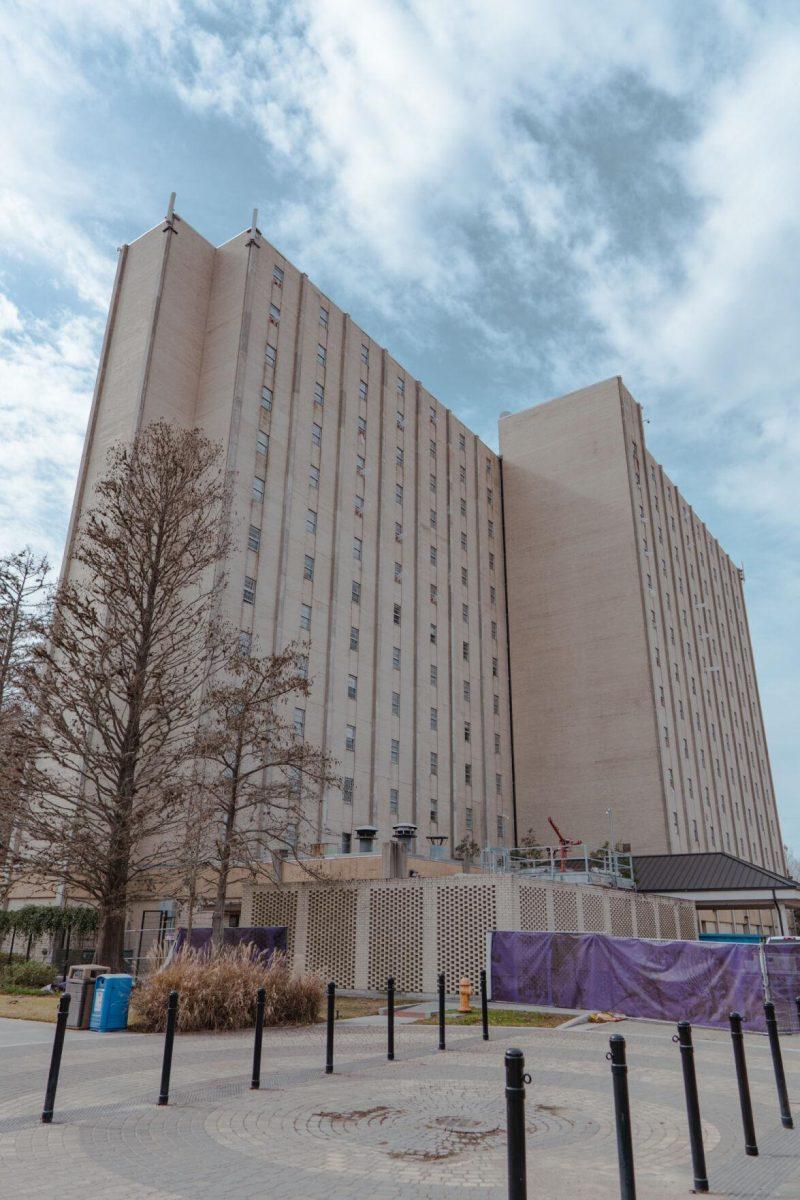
112 995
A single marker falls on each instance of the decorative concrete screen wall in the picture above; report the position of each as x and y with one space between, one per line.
359 933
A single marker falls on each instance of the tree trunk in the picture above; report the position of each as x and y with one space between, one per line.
111 937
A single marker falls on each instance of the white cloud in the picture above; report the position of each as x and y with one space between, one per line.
46 376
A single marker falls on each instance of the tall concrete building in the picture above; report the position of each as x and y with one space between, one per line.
373 525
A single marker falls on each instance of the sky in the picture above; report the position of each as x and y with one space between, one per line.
516 199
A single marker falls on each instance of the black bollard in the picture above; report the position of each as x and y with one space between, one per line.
777 1064
169 1038
737 1037
329 1038
261 998
484 1008
390 1018
515 1124
622 1113
441 1012
684 1040
55 1059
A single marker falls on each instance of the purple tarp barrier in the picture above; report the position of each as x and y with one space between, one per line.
700 982
782 960
266 938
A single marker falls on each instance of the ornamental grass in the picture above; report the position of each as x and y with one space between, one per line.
219 992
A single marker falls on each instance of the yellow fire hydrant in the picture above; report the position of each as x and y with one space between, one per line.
465 992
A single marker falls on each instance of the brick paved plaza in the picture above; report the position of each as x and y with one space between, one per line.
429 1125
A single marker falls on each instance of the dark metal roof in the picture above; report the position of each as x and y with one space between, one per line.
712 872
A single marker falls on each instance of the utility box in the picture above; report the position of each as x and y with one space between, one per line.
112 994
79 985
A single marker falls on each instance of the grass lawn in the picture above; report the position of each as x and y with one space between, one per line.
500 1016
357 1006
28 1008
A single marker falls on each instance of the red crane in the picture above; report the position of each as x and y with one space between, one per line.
563 844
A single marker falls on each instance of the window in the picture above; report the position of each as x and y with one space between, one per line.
494 667
398 493
432 412
353 638
433 448
266 398
465 651
398 531
396 657
254 538
395 704
462 442
433 483
277 274
501 832
305 616
464 576
494 631
467 731
398 572
396 614
323 316
362 427
434 718
462 472
463 541
347 841
433 518
270 355
497 743
434 763
468 774
357 548
319 394
245 641
274 313
395 750
362 389
394 801
498 784
434 810
463 507
347 790
249 590
302 667
262 442
489 497
316 434
299 721
496 704
468 818
434 593
433 635
491 561
321 354
398 456
364 353
352 687
434 675
433 556
308 567
491 529
465 612
313 477
466 689
361 464
400 419
258 488
311 521
350 737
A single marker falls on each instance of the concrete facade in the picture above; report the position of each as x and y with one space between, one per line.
636 689
373 526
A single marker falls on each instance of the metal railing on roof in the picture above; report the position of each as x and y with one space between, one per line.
572 864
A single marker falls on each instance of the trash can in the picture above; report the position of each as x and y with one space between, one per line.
112 995
80 982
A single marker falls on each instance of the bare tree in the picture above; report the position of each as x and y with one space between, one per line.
23 602
263 776
190 879
118 681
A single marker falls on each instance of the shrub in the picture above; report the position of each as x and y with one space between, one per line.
28 974
220 993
